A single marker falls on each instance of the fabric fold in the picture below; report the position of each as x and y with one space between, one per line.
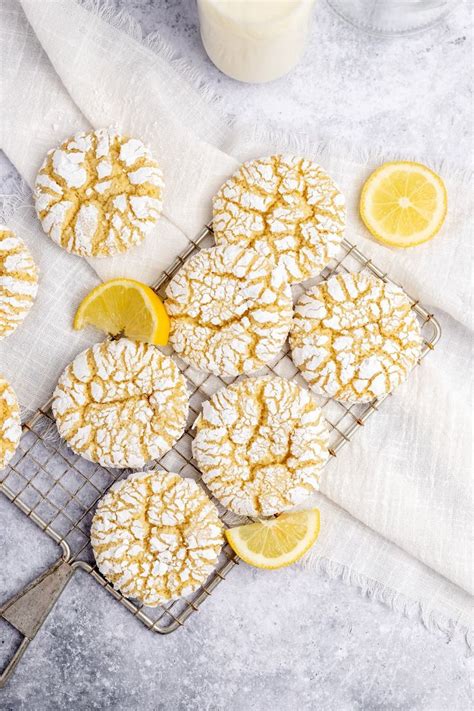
43 103
168 115
131 92
400 477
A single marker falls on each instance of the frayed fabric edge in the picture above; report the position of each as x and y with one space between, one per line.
282 139
433 620
301 144
122 21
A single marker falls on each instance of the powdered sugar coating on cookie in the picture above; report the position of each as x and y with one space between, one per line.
18 281
230 310
287 208
354 337
99 193
156 536
260 445
10 423
121 403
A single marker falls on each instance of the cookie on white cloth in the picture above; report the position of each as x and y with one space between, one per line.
10 423
286 207
121 403
230 310
355 338
156 536
260 445
99 193
18 281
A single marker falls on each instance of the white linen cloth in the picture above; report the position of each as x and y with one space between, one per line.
396 504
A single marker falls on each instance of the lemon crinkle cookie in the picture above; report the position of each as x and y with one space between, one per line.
10 423
156 536
230 310
99 193
286 207
18 281
121 403
260 445
354 337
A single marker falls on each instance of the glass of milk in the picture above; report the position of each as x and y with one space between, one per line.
255 40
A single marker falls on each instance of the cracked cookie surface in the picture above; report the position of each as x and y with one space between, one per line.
99 193
230 310
156 536
286 207
121 403
354 337
260 445
10 423
18 281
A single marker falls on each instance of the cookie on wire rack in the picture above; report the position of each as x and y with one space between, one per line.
156 536
354 337
99 193
121 404
260 445
10 423
287 208
230 310
18 281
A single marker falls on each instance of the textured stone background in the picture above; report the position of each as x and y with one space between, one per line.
288 639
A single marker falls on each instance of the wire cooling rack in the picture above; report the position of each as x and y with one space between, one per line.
58 490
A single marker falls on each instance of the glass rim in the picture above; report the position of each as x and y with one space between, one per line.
393 32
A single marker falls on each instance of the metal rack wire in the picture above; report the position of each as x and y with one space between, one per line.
58 490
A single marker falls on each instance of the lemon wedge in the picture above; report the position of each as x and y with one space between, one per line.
403 204
125 307
276 542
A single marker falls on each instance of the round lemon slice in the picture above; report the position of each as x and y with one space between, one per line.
277 542
403 204
125 307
